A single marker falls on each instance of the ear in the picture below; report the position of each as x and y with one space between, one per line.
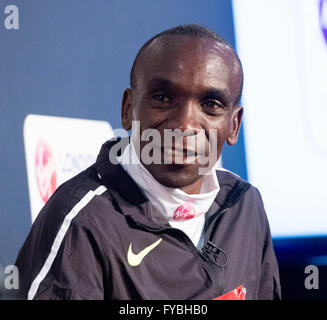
126 110
236 125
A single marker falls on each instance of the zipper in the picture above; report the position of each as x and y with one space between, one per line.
212 264
209 228
233 198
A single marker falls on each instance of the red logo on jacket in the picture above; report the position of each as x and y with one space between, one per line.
185 211
236 294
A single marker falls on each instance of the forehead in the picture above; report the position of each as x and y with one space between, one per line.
192 61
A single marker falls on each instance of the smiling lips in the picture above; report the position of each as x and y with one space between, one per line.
180 152
181 156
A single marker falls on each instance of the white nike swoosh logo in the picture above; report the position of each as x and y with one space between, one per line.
135 259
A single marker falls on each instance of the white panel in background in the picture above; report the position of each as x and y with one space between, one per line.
56 149
283 50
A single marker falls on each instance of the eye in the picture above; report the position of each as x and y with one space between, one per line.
161 98
212 106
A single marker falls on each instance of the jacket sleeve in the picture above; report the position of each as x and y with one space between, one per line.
269 285
74 272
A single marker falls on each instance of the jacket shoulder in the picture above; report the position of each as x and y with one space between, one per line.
228 179
249 202
68 195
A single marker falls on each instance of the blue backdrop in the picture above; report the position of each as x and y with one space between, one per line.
72 59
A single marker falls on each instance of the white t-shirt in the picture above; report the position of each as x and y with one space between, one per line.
181 210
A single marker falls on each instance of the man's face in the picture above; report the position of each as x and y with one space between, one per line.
190 84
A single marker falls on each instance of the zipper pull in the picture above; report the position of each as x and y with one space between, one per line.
210 251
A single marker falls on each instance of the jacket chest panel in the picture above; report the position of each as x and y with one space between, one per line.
157 266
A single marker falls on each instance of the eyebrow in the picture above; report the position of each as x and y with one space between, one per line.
157 83
219 94
208 93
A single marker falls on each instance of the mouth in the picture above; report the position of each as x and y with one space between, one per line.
180 156
161 154
178 152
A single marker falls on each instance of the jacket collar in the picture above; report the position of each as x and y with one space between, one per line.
124 190
114 176
128 195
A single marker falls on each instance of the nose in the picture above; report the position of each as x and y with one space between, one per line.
186 118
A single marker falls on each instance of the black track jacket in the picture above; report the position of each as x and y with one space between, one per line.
95 239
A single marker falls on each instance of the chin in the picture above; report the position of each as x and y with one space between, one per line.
175 176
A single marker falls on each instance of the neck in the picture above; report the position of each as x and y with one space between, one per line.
193 188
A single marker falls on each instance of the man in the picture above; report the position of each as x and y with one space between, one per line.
172 228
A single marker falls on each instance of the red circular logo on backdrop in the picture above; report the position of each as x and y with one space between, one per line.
45 170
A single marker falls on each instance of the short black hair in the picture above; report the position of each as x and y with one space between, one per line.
193 30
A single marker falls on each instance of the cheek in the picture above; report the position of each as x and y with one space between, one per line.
216 142
149 118
217 134
140 120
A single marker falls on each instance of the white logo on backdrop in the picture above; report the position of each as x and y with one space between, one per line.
57 149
